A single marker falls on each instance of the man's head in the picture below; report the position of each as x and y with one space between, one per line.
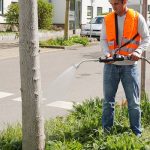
119 6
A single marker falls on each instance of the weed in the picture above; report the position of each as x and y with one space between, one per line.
81 129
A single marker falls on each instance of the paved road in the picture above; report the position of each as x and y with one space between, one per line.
61 83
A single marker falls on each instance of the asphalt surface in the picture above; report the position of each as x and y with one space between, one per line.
61 83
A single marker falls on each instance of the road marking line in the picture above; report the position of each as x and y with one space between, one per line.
19 99
5 94
61 104
43 99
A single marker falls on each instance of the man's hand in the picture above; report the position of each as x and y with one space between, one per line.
107 57
135 56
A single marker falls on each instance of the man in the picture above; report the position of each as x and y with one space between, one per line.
119 27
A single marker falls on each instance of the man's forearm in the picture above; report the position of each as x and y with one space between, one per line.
143 45
104 47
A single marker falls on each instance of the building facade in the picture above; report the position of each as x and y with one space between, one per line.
81 11
92 8
137 5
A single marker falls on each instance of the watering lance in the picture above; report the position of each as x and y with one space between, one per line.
86 60
100 60
106 60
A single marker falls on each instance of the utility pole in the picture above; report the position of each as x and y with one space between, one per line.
143 63
32 121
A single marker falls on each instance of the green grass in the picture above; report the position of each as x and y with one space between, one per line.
83 125
81 129
11 138
62 42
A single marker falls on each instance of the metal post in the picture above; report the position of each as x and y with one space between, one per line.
75 17
2 7
91 18
143 63
141 2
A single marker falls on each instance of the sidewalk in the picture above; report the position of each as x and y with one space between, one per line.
10 49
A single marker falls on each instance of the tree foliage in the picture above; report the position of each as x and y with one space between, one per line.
45 14
12 15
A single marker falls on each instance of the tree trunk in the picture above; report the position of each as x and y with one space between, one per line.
32 121
66 34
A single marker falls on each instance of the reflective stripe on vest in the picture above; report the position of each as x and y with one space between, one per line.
129 31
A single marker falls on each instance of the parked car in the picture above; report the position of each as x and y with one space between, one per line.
148 23
93 27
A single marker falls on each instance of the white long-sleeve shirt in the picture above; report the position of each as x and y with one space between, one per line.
142 31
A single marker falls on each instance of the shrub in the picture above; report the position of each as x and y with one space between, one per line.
45 14
145 106
11 138
81 40
12 15
81 129
62 42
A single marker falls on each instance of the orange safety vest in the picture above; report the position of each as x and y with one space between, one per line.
129 31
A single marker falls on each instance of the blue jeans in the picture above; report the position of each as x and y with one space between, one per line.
129 76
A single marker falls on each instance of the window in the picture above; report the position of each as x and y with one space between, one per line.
72 14
110 9
1 7
148 8
90 11
99 11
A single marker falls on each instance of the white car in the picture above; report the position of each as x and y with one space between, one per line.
93 28
148 24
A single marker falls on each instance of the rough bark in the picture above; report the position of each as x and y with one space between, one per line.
32 121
